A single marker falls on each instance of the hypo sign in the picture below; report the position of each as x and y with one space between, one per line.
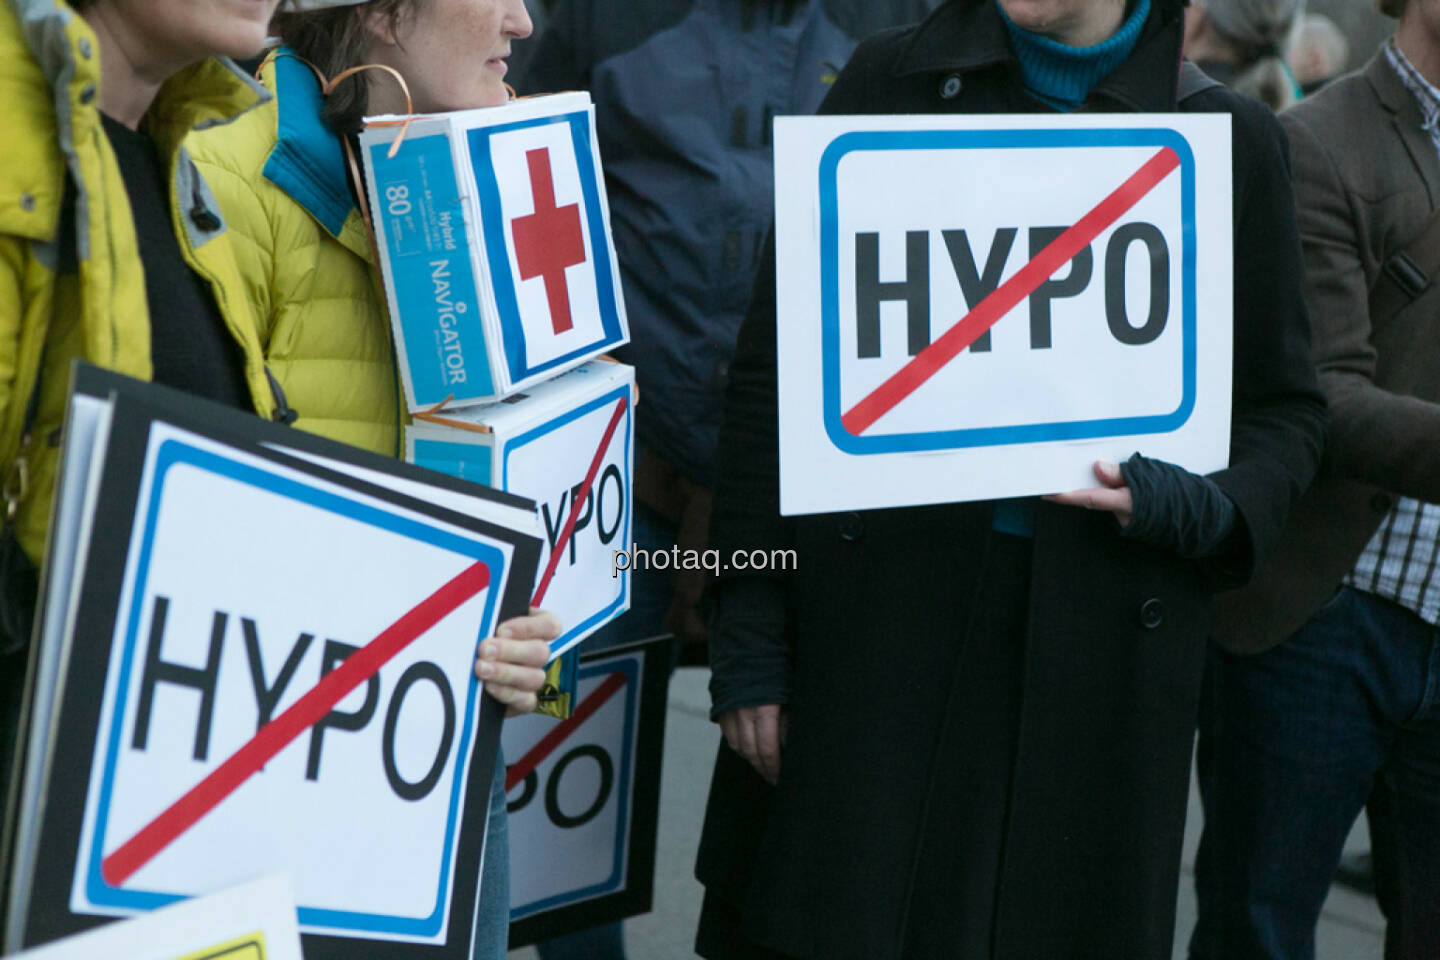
584 797
289 687
979 307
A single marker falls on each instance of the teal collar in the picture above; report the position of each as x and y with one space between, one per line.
308 162
1063 76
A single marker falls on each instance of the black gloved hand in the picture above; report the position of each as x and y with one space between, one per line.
1175 509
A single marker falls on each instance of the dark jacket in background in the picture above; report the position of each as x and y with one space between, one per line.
685 91
1356 209
840 860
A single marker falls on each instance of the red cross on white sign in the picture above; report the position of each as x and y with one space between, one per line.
549 240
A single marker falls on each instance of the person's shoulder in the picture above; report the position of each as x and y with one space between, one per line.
241 146
32 165
1249 117
231 160
865 18
884 48
1342 103
874 59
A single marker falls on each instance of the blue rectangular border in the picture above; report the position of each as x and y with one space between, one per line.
994 139
497 251
604 616
173 453
623 782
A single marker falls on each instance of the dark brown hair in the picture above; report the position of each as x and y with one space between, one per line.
1391 8
335 40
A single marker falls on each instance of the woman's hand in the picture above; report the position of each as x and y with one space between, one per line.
1167 507
757 734
511 664
1113 494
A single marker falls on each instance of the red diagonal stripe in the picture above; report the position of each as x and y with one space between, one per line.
519 770
580 498
1004 298
279 732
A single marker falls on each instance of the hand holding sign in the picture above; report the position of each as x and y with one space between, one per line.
512 663
1113 494
1024 295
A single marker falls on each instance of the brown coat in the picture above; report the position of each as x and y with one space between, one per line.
1367 181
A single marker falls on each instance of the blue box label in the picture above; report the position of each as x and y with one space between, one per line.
442 334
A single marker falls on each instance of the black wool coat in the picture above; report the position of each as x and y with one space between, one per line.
857 852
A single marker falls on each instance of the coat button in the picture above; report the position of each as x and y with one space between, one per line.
950 88
87 94
204 219
85 47
852 525
1380 503
27 202
1152 613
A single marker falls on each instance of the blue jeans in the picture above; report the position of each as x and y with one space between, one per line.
492 919
1294 743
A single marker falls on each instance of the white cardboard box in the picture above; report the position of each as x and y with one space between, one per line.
494 237
541 444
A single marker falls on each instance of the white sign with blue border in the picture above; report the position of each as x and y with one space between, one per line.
976 307
250 587
570 798
542 444
494 233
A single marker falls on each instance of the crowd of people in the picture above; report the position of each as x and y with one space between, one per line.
963 730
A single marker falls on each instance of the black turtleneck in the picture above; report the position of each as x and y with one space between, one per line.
190 346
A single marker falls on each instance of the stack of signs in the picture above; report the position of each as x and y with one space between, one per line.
255 656
568 445
584 797
494 238
981 307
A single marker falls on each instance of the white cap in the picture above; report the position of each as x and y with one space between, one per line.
306 6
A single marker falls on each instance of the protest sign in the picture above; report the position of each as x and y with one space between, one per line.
568 444
253 921
494 238
249 659
974 307
583 796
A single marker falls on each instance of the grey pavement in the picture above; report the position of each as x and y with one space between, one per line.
1350 928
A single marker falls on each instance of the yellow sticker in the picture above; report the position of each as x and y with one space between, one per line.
249 947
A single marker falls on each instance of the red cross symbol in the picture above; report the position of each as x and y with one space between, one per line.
548 240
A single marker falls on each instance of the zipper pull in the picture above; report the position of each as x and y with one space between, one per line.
17 479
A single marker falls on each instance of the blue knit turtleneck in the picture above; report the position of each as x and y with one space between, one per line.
1063 76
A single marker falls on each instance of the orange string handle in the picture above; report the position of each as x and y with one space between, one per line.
432 415
327 86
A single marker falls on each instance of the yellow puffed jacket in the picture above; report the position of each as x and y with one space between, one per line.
71 282
280 176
